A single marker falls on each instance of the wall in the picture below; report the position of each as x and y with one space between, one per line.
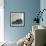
30 7
43 6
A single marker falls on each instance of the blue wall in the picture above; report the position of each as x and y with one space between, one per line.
27 6
43 6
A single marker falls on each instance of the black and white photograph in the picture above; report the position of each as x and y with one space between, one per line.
17 19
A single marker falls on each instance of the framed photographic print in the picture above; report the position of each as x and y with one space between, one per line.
17 19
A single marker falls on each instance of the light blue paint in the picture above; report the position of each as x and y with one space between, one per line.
30 7
43 6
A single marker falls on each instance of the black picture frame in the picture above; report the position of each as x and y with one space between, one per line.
17 19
